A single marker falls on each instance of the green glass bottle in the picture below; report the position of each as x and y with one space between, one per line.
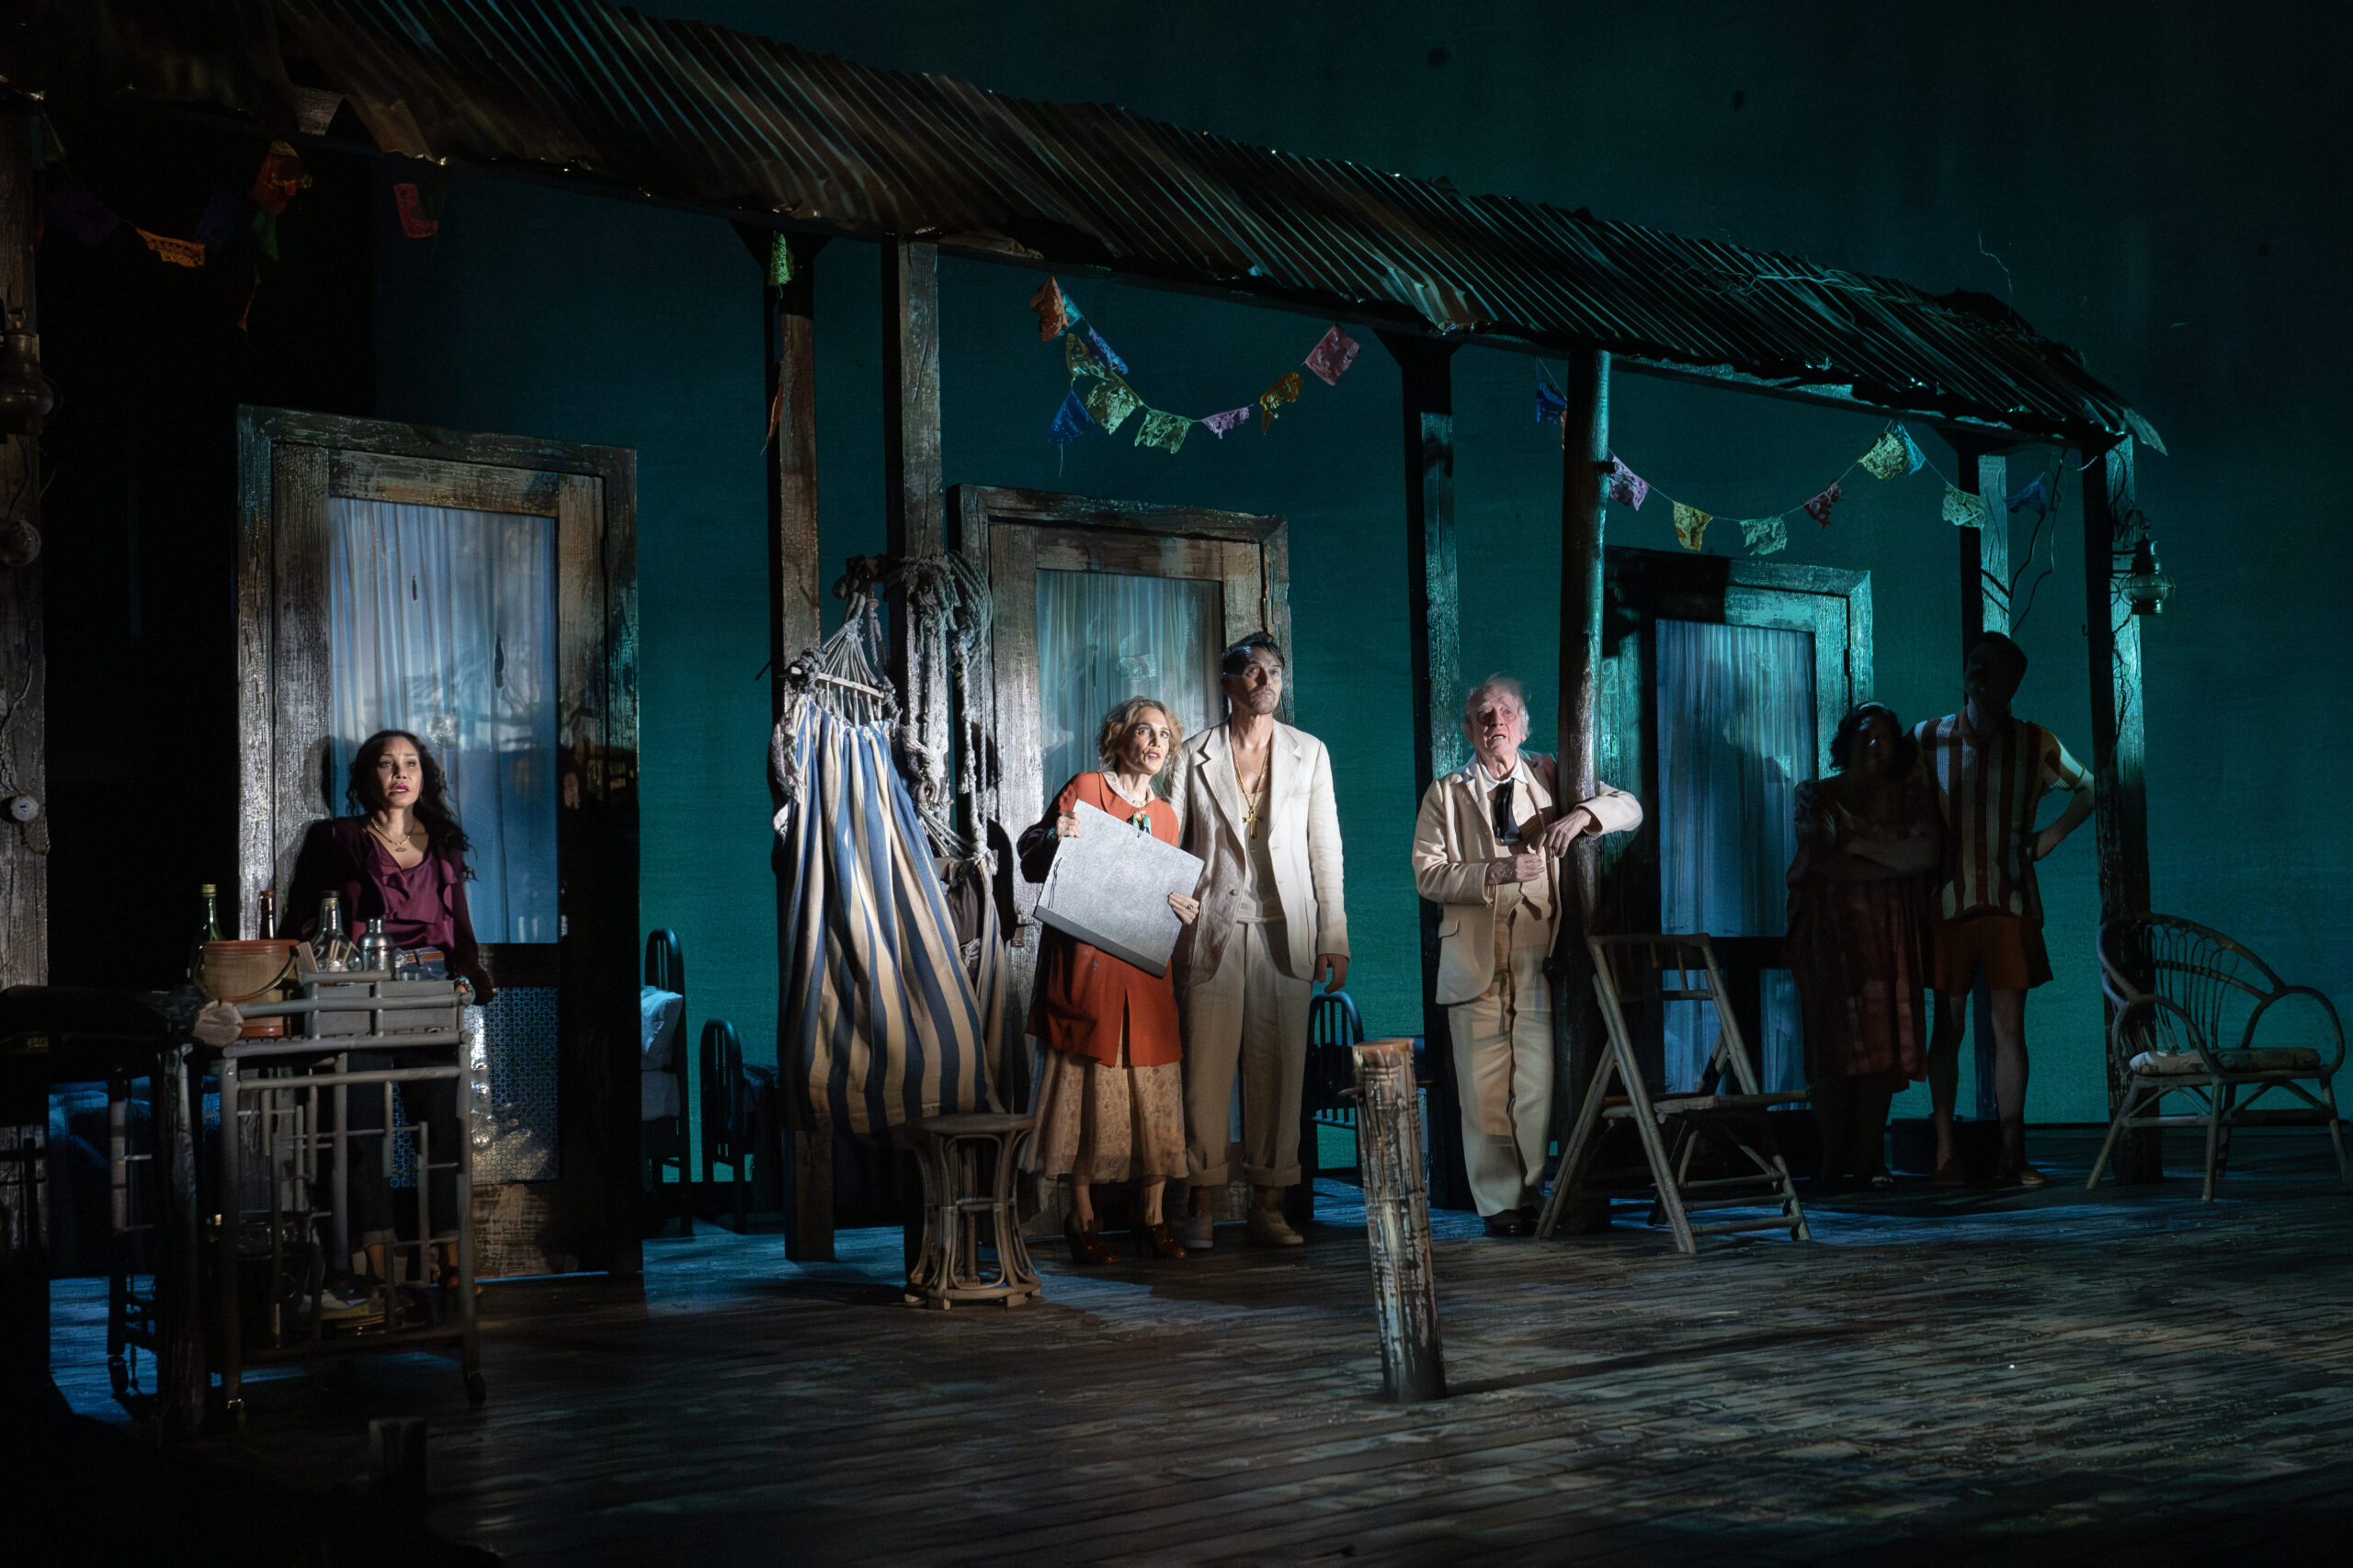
209 932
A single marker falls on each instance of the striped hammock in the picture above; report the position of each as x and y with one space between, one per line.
877 1023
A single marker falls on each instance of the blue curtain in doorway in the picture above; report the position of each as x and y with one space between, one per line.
1736 738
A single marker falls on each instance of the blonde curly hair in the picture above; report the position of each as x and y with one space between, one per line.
1121 719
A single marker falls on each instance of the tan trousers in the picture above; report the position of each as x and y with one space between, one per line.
1503 1069
1251 1014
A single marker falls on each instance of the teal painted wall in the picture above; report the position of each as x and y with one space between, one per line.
2114 171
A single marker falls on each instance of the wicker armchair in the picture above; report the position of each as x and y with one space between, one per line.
2188 1001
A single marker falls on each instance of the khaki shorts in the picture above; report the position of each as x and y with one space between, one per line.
2007 947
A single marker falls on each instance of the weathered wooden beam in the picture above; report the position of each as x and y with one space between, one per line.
915 517
787 296
1434 616
24 659
796 621
913 486
2112 634
1397 1222
1585 456
1983 555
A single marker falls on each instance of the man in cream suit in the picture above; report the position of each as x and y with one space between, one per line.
1490 846
1256 798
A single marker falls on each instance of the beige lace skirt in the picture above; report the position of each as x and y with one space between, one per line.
1104 1124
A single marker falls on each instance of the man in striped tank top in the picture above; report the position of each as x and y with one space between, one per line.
1990 771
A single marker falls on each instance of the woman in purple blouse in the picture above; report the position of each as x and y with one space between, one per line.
401 857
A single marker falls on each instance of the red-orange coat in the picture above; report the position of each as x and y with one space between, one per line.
1082 991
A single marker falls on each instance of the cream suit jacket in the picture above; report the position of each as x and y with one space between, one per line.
1454 839
1302 839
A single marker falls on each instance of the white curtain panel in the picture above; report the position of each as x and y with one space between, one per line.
442 623
1104 637
1736 737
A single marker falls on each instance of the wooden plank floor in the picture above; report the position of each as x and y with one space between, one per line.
1937 1379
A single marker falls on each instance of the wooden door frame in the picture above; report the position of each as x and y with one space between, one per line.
288 460
1643 586
972 510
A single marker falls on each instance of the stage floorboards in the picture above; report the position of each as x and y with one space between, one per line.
1938 1377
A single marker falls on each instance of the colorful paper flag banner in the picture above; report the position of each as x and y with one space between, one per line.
1961 509
1914 459
1330 357
2035 495
1071 420
1763 535
1103 351
1274 397
1110 401
1691 526
1819 507
1551 406
1162 429
280 178
1053 311
1887 457
413 222
314 109
1623 485
179 253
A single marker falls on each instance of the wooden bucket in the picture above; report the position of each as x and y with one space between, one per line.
238 972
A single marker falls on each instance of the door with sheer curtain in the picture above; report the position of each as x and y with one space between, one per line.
1722 682
478 592
1094 602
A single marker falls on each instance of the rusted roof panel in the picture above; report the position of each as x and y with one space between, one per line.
692 113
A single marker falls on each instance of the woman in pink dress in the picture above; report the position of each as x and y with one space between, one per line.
1868 837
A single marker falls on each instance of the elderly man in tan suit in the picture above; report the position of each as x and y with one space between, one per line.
1490 846
1257 801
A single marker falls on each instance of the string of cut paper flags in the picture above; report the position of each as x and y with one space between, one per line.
81 211
1101 399
1894 455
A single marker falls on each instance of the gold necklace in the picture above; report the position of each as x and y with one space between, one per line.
397 846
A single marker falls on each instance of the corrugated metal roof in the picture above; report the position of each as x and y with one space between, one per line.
692 113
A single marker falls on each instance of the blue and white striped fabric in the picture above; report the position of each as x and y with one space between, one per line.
876 1024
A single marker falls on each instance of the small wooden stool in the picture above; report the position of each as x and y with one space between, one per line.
947 1269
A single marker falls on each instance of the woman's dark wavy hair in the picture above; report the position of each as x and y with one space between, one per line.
1842 742
442 832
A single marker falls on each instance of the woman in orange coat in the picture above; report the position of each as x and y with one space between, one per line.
1110 1094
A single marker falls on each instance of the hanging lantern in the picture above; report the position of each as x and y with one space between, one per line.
26 396
2146 585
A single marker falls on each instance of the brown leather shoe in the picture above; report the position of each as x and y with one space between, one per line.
1951 1174
1088 1247
1158 1240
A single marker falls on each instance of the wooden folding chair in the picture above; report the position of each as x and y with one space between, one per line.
1675 1127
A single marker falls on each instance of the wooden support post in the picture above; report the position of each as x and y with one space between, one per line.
1434 622
1397 1222
795 621
1585 455
912 482
914 521
24 666
2119 749
1984 557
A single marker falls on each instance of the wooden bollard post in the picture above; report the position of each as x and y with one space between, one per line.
1397 1221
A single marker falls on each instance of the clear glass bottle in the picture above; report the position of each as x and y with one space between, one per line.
330 947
